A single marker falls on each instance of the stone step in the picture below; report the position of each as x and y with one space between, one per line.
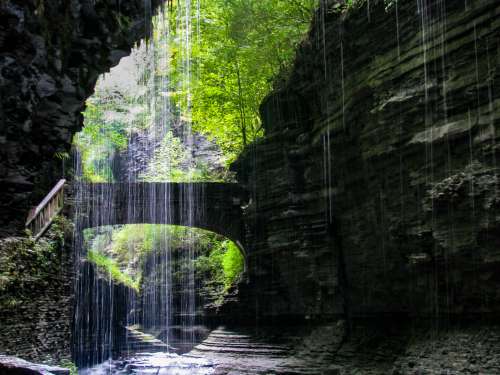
139 341
221 341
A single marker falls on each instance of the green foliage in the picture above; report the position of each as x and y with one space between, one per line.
352 3
244 46
167 162
172 163
61 155
232 264
136 238
356 4
121 252
66 363
213 85
26 266
99 141
112 269
222 266
141 239
210 266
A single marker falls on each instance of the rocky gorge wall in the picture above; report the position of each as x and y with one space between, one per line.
375 189
36 295
51 54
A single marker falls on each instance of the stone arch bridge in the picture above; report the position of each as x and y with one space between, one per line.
216 207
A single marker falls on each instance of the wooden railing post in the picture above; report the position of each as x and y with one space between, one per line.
40 217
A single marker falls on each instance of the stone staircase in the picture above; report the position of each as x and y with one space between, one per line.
140 342
239 353
229 342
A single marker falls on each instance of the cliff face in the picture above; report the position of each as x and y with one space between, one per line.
51 54
375 189
36 295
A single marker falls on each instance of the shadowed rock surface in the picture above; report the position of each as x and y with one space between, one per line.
388 347
36 295
375 190
51 54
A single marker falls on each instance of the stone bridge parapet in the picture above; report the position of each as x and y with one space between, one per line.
216 207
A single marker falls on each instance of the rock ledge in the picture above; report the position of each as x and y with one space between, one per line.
13 365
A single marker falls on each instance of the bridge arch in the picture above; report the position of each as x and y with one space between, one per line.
216 207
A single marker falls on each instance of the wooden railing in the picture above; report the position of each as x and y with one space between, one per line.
41 216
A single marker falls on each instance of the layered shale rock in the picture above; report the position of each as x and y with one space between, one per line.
51 54
36 295
388 347
375 189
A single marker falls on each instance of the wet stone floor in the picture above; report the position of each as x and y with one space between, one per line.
379 349
223 352
154 363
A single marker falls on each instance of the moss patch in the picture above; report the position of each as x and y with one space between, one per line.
27 266
111 268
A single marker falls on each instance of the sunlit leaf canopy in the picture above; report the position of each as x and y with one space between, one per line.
245 47
214 70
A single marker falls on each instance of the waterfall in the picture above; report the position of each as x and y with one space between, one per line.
105 310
